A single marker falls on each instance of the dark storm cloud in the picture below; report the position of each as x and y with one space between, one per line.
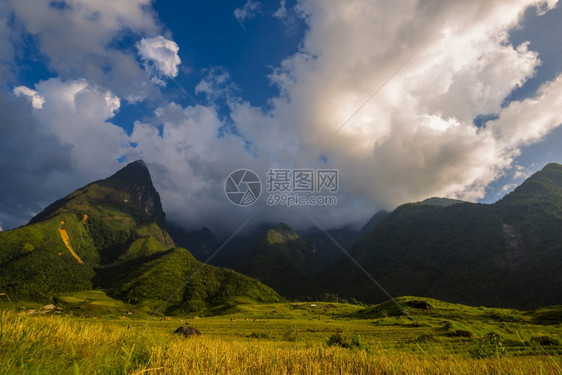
30 160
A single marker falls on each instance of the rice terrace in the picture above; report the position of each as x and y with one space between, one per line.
95 334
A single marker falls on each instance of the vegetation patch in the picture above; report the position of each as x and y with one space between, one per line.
544 341
259 335
186 331
338 339
491 345
460 333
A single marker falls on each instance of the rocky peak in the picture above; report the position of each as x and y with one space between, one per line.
135 177
130 188
135 173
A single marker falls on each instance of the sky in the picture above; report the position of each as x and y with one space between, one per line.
406 100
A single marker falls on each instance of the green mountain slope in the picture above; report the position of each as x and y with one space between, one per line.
35 263
371 224
504 254
201 243
110 234
177 275
328 252
282 259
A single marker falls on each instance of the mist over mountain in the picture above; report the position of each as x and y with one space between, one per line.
502 254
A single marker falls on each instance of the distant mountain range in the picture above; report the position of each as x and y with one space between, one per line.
112 235
503 254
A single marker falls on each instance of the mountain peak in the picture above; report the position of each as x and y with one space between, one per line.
130 188
283 228
135 172
555 166
135 177
544 186
443 202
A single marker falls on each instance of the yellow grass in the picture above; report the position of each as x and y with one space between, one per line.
59 344
66 240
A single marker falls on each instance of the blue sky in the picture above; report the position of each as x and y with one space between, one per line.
201 88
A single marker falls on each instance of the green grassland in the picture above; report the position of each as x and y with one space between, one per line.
91 333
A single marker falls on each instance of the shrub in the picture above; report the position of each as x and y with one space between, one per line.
338 339
544 340
460 333
356 342
491 345
258 335
290 335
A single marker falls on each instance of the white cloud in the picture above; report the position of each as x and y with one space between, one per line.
281 12
248 11
66 143
215 84
36 100
416 138
521 172
508 187
78 40
528 121
289 16
545 6
189 163
77 113
160 57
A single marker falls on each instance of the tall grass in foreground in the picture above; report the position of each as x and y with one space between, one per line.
65 345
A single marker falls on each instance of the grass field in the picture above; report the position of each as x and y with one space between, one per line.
93 334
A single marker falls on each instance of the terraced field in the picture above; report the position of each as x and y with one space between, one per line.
88 332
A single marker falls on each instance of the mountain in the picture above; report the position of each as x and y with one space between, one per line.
282 259
436 201
372 223
328 251
503 254
111 234
130 190
201 243
238 244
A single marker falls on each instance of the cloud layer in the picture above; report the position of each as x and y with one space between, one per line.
420 73
80 38
416 138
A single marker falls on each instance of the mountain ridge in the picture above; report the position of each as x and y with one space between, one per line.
505 254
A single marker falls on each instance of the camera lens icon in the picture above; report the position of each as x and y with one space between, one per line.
242 187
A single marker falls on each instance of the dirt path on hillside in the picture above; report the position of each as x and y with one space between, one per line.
66 240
